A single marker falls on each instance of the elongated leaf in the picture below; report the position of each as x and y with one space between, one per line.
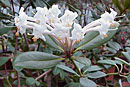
111 50
118 5
128 78
94 68
97 41
82 60
3 60
127 55
51 42
85 82
123 61
114 45
73 84
67 69
36 60
6 2
88 37
97 74
31 81
5 30
4 16
110 62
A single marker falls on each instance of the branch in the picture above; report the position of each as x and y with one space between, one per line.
43 74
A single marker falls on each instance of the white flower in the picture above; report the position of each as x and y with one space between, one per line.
40 16
21 21
53 14
103 24
77 32
68 18
59 31
102 28
38 31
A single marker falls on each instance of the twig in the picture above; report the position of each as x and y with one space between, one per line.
43 74
26 40
18 79
7 77
13 7
16 45
2 71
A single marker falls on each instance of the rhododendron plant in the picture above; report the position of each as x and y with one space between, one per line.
63 28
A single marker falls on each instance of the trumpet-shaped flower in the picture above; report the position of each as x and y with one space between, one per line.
68 18
21 21
103 24
59 31
41 15
53 14
77 32
38 31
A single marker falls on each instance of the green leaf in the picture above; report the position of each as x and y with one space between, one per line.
51 2
82 60
73 8
79 65
123 61
96 40
4 16
114 45
73 84
85 82
88 37
66 68
5 30
56 70
6 2
127 4
3 60
111 50
36 60
110 62
127 55
51 42
118 5
93 68
97 74
94 15
128 78
12 49
31 81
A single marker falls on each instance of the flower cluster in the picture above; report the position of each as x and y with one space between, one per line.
63 28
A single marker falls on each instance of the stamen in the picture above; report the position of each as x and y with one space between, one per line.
113 25
59 38
50 20
38 21
68 25
34 39
105 35
78 41
17 34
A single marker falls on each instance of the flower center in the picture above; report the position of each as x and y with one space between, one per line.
17 33
51 20
59 38
34 39
113 25
38 21
68 25
105 35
